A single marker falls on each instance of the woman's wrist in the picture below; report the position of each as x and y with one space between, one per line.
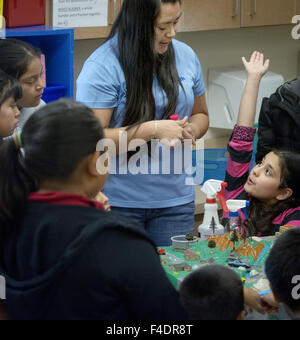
155 129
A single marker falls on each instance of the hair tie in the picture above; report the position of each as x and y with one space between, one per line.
18 140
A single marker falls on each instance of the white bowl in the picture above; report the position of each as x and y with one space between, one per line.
180 242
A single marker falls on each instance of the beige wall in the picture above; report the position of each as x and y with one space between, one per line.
224 48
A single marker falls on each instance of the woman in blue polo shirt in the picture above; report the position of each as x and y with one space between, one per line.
135 82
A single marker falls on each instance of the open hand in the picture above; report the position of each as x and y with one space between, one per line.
256 65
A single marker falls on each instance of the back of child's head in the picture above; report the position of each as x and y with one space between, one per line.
9 88
54 141
283 265
16 55
212 293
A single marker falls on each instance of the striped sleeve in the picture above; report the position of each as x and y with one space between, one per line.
240 150
289 217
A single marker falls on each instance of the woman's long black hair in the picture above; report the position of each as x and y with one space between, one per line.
54 141
140 62
261 215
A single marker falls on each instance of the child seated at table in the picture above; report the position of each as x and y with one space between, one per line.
272 186
213 293
283 271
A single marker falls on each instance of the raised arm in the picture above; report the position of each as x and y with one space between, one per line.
256 69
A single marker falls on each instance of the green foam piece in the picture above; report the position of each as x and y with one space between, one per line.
220 258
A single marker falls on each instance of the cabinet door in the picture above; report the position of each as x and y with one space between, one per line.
297 7
267 12
201 15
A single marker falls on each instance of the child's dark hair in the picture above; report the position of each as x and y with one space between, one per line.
212 293
54 141
9 88
260 216
16 55
283 265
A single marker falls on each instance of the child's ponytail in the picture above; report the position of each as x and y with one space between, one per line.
15 186
54 141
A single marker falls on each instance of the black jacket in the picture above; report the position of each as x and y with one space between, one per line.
279 122
72 262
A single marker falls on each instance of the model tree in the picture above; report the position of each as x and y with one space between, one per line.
234 238
244 236
189 236
250 227
213 225
227 226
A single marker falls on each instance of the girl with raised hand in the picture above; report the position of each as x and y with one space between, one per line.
273 185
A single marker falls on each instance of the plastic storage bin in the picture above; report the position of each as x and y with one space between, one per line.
53 92
225 89
24 12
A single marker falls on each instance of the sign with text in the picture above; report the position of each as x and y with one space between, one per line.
79 13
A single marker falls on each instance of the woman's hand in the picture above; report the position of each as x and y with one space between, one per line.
170 132
256 66
188 133
103 199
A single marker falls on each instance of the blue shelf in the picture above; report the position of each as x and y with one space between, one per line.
58 46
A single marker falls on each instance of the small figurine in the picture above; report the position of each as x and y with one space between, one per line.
180 267
227 227
161 251
233 256
212 245
164 260
250 227
234 238
238 264
208 262
189 237
244 237
191 256
213 225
